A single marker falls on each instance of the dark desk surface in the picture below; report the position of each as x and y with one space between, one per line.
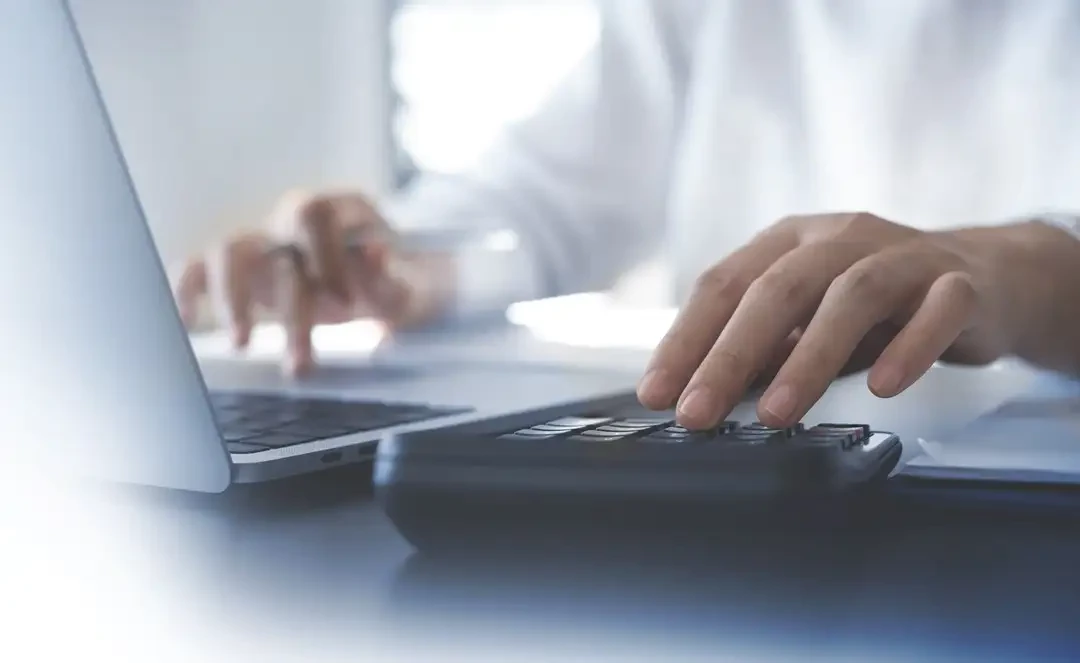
312 565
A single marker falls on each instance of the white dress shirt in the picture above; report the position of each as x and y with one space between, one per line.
696 123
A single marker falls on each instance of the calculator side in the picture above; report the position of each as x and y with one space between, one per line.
468 482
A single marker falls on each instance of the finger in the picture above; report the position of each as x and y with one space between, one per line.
189 287
870 348
869 293
322 236
772 308
231 271
864 356
298 303
945 313
382 280
765 376
714 298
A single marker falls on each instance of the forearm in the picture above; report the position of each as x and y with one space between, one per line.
1036 265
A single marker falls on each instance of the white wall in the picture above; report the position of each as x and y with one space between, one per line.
222 104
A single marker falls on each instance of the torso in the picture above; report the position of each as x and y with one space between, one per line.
935 114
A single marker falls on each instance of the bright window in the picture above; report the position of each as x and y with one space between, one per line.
463 69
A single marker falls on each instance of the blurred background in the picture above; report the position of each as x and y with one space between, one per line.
222 105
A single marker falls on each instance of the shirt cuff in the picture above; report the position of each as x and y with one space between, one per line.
1070 223
493 268
491 275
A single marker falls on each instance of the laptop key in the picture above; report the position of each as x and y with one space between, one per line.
315 429
237 434
244 448
279 440
279 420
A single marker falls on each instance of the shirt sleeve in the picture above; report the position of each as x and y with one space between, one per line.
1070 223
576 192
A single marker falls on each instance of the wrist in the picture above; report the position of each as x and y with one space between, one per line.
1030 267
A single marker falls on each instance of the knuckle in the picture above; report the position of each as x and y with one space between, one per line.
290 211
817 356
864 220
316 216
961 291
359 210
720 282
778 287
861 282
855 223
790 221
729 362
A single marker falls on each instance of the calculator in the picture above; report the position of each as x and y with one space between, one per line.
641 469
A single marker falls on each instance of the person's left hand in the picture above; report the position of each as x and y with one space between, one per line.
815 297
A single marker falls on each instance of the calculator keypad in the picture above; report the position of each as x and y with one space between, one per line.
661 431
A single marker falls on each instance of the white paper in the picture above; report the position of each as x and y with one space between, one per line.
1034 439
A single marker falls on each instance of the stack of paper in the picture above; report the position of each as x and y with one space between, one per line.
1035 438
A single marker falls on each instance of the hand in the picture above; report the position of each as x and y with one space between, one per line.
324 282
815 296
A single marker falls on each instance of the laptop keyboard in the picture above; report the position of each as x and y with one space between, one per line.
251 422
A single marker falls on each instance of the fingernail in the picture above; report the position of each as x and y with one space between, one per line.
653 388
780 402
886 381
697 407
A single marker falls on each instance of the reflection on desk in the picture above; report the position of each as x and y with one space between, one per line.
312 566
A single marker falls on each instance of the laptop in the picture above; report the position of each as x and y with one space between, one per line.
98 358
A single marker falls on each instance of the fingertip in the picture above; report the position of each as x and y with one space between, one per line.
885 381
779 406
653 391
298 365
241 336
769 419
698 409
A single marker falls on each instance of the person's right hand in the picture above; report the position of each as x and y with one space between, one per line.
322 281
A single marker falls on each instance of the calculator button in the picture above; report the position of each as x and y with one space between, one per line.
861 430
666 436
787 432
644 423
514 437
818 438
605 435
755 437
630 428
661 439
848 435
618 428
584 437
573 423
531 434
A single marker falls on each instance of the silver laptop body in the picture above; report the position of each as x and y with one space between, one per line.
100 370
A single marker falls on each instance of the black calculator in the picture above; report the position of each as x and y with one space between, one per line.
640 469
